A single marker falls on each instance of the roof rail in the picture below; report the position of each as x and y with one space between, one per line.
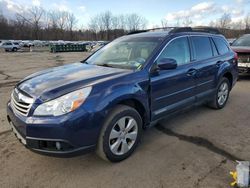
152 29
204 29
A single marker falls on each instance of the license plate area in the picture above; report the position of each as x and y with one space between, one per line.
245 65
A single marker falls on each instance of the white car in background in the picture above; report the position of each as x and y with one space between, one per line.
10 46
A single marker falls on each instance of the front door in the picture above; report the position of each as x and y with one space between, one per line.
173 89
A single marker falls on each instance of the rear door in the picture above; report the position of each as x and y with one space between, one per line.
206 65
173 89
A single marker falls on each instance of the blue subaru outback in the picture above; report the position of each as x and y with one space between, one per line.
104 102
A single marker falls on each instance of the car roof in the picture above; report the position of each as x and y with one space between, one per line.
162 34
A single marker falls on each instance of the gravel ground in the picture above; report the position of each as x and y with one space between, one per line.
197 148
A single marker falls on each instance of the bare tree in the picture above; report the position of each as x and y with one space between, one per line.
61 17
164 23
187 21
71 23
122 22
135 22
224 21
33 17
247 22
106 19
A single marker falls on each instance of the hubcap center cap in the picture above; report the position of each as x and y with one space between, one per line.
123 134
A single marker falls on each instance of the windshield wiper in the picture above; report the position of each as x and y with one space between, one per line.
104 65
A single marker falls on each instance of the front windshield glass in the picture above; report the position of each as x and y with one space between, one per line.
127 52
242 41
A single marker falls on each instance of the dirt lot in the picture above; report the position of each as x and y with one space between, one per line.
194 149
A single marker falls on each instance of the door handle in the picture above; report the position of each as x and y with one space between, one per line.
191 72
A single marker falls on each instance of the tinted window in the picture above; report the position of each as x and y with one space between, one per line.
221 45
215 51
202 47
178 49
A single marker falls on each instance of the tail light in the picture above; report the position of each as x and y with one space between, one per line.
236 56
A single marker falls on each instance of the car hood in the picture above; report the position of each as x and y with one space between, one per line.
54 82
241 49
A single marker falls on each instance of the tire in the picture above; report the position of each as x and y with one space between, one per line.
217 102
119 140
14 49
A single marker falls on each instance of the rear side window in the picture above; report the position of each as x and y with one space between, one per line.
221 46
214 48
202 47
179 50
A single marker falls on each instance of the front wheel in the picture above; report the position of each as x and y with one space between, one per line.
120 134
222 94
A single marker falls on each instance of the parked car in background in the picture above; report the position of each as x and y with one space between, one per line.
231 40
242 47
27 43
103 102
10 46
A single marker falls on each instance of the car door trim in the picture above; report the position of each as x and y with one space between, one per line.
177 92
174 106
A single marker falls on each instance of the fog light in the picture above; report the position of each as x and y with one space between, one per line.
58 146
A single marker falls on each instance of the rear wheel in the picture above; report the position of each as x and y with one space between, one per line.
14 49
120 134
222 94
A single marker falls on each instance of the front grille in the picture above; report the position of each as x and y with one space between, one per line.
21 103
244 58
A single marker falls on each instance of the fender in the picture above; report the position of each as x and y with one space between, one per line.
123 93
223 69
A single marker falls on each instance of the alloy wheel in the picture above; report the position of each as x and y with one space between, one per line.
223 93
123 135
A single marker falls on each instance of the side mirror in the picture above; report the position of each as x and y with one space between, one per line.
167 64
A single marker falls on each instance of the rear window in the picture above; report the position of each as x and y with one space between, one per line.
221 46
202 47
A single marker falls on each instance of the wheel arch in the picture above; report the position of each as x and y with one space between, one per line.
229 76
138 106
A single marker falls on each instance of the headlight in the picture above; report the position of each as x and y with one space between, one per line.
64 104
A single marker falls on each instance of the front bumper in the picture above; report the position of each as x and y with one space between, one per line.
244 67
65 136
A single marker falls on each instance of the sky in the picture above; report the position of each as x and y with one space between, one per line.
200 12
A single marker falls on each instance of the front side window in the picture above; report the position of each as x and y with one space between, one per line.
178 50
127 53
202 47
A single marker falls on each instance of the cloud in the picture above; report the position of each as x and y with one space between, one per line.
197 11
10 8
36 3
82 8
62 7
242 1
204 12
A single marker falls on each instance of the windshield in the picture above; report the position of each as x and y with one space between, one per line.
126 52
242 41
